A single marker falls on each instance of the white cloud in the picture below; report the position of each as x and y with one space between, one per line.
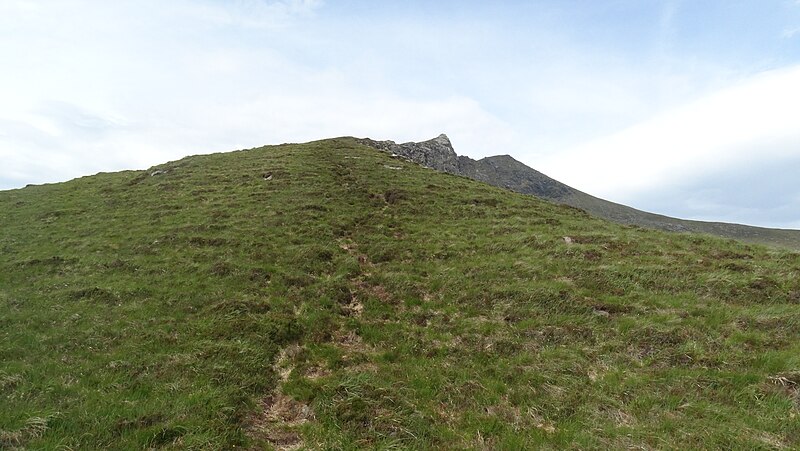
752 121
111 98
790 32
250 13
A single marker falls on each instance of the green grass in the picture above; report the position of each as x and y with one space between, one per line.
346 304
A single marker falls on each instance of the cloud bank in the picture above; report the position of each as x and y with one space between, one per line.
741 130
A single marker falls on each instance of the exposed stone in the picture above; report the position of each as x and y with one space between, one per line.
436 153
505 172
501 170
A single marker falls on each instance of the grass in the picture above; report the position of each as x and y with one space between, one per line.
346 304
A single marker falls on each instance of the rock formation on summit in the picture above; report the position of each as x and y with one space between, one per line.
502 170
436 153
506 172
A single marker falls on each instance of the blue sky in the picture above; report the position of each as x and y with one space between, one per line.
686 108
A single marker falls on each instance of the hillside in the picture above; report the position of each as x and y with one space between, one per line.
506 172
329 296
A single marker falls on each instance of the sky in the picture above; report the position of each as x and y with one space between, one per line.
689 108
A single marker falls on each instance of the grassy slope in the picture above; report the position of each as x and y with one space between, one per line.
347 304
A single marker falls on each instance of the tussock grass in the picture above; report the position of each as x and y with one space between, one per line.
341 303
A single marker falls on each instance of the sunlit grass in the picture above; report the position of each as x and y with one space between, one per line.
343 304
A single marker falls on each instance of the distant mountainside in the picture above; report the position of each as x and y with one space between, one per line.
506 172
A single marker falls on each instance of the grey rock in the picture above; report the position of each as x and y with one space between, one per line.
501 170
505 172
436 153
601 313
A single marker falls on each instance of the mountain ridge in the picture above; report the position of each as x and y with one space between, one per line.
506 172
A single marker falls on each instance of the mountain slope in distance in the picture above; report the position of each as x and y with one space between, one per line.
506 172
327 296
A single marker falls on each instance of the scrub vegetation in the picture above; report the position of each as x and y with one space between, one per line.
328 296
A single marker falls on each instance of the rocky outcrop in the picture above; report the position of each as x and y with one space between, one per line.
436 153
505 172
501 170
